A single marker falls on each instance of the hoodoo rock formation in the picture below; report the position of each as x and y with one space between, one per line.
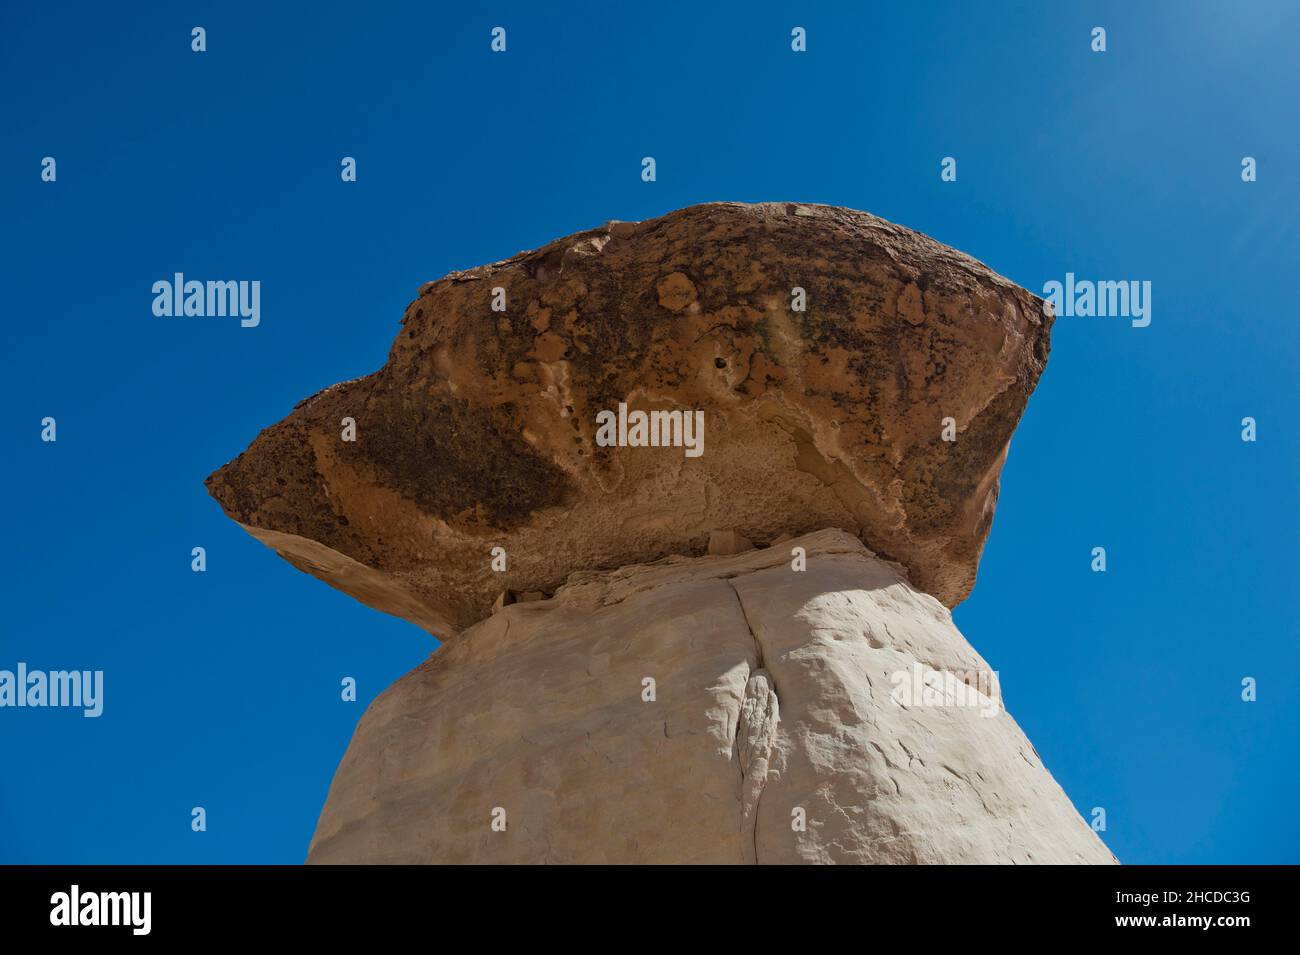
560 471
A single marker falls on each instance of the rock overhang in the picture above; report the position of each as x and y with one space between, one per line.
884 407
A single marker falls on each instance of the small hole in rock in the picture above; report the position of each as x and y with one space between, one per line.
719 363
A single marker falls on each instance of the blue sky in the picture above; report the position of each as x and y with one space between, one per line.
222 688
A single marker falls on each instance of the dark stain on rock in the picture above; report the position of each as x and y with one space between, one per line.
455 460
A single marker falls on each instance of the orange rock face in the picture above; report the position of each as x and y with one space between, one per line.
825 347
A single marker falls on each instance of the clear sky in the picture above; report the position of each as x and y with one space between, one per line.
222 688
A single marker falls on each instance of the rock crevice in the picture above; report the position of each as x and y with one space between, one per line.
760 716
538 710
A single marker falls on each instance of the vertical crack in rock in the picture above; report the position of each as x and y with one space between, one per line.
756 729
537 710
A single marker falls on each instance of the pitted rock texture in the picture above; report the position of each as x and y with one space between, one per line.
479 432
776 695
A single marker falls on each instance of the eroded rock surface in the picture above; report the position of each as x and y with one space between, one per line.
479 432
645 662
776 694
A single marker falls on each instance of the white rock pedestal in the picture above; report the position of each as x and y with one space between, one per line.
784 723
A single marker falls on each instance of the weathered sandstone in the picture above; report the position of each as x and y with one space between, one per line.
733 648
480 430
775 691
